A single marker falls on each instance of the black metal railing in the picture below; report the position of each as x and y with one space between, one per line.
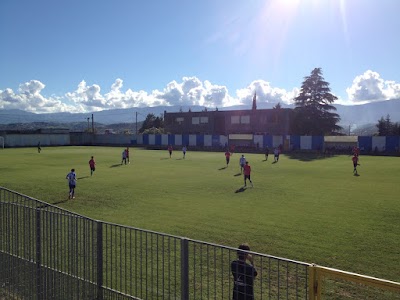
50 253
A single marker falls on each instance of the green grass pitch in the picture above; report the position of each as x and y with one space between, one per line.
304 208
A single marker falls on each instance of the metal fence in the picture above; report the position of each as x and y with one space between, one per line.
50 253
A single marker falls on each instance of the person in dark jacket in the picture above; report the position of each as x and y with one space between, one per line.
243 272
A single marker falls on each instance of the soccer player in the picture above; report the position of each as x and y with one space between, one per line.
242 162
71 176
356 151
92 165
170 150
233 149
243 272
276 155
38 147
227 157
266 153
355 164
184 151
127 154
247 171
123 157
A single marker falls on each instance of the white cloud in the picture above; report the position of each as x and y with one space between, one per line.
29 98
33 87
265 93
88 96
189 91
194 92
370 87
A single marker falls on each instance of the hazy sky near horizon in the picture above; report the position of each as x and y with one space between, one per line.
83 56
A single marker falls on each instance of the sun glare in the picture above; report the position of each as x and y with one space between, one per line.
277 19
289 2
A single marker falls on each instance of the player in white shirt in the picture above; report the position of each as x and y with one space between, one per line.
184 149
242 162
71 176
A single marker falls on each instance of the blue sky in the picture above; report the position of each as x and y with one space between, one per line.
82 56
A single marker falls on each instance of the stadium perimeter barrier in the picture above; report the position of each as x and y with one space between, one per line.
51 253
367 144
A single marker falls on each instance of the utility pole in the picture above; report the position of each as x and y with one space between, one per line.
88 124
136 123
92 124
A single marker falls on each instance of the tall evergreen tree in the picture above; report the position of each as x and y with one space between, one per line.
387 127
314 113
152 121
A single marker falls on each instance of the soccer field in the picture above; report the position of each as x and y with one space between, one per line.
304 208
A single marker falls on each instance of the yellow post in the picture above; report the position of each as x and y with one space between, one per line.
312 282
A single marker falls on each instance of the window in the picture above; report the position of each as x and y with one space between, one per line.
179 120
199 120
235 119
195 120
204 120
245 119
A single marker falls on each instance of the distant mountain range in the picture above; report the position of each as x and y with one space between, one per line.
354 116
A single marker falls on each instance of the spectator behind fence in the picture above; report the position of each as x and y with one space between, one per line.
243 274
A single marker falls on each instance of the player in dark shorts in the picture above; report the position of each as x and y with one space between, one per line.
71 176
227 157
266 153
355 164
246 172
92 165
170 151
127 155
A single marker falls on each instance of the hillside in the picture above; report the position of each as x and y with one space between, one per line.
355 116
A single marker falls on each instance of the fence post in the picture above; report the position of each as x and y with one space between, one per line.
184 268
38 256
314 292
99 260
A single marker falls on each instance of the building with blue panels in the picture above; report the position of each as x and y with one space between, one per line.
219 122
392 144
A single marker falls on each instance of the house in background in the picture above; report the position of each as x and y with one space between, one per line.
274 121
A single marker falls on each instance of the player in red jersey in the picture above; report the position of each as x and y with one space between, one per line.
92 165
127 154
227 157
170 150
356 150
233 146
355 164
246 172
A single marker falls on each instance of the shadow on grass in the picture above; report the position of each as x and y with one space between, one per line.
356 174
116 165
162 158
308 156
264 160
237 174
179 158
242 189
54 203
83 177
59 202
223 168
